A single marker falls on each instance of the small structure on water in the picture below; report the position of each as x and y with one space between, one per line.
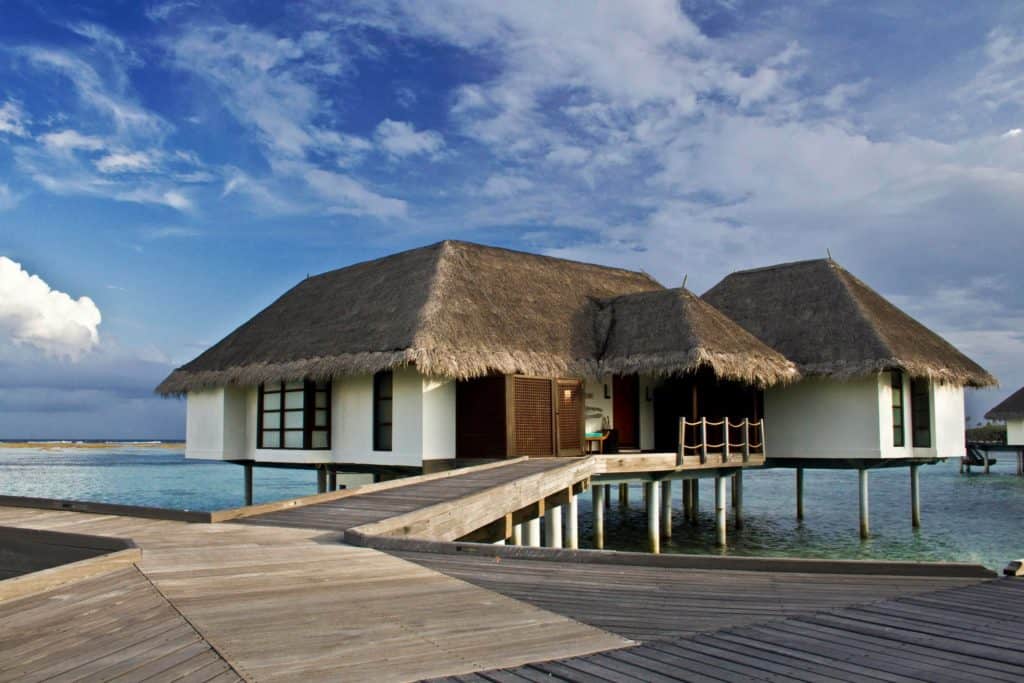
1010 411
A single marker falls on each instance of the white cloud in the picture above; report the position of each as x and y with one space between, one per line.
125 162
401 139
500 186
31 313
70 140
8 200
348 196
171 232
13 119
1013 133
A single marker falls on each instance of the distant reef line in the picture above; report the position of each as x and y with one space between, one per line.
55 444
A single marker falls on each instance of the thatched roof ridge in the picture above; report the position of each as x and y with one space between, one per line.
673 332
452 309
1010 409
831 324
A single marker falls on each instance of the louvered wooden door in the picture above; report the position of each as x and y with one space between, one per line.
570 416
533 417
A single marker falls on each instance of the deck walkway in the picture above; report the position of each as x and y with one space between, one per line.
357 510
958 634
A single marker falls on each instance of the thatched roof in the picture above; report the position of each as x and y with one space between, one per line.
452 309
672 331
1010 409
830 323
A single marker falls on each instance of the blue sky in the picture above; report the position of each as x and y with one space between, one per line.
168 168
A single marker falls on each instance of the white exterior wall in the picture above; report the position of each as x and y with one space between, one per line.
819 418
949 425
1015 432
221 424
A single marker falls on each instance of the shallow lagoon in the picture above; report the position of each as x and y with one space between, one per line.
973 518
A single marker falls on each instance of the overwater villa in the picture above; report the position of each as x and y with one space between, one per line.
458 352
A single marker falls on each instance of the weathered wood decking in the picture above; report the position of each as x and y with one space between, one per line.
957 634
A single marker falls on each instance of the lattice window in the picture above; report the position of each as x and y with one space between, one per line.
533 416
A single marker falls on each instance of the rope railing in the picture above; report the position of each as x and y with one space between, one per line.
727 444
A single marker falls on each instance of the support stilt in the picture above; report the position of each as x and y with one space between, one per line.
1020 462
695 497
984 454
666 508
653 530
623 495
599 500
607 496
737 497
720 530
248 483
865 516
687 500
915 496
321 480
332 479
517 534
533 533
553 527
572 523
799 493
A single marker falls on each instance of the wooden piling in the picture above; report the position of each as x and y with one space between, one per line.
915 496
695 500
599 500
653 510
687 500
332 479
623 495
865 516
553 527
607 496
720 530
666 508
321 480
1020 462
737 497
248 482
572 522
800 493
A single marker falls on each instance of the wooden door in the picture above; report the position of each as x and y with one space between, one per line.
626 409
533 417
570 416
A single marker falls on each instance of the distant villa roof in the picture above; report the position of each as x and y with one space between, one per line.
831 324
1010 409
460 310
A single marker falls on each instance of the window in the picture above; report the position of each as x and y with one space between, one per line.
899 438
921 413
382 410
295 415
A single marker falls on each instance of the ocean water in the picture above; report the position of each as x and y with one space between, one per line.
974 518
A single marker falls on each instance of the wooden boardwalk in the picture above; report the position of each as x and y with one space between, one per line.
648 603
959 634
354 511
286 604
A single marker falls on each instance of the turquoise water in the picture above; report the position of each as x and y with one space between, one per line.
973 518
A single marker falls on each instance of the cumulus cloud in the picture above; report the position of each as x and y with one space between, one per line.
125 162
34 314
401 139
69 140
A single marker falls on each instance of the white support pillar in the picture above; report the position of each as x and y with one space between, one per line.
532 535
572 523
248 483
915 496
517 534
737 497
600 497
553 527
720 531
865 516
653 531
799 493
666 508
499 542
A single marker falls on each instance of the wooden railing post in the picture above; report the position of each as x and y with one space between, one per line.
746 439
703 440
725 440
682 442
